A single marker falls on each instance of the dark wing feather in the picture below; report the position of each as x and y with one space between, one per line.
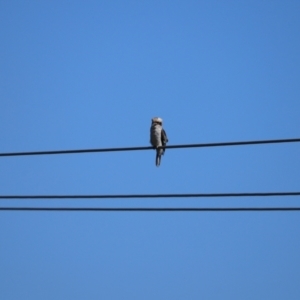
164 139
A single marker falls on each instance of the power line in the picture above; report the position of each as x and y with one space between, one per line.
241 143
152 209
136 196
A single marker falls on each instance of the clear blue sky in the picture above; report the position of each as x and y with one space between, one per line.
92 74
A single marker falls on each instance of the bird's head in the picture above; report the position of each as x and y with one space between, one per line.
157 120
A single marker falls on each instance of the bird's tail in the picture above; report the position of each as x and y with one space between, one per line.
159 152
158 157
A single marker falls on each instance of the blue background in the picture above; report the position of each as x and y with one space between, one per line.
92 74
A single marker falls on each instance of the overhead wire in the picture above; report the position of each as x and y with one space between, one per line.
203 145
152 209
191 209
139 196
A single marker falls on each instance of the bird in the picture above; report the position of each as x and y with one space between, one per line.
158 138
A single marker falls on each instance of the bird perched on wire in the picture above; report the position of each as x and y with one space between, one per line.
158 138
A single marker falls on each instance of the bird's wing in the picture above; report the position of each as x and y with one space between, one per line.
164 138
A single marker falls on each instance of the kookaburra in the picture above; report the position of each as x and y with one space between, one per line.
158 138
